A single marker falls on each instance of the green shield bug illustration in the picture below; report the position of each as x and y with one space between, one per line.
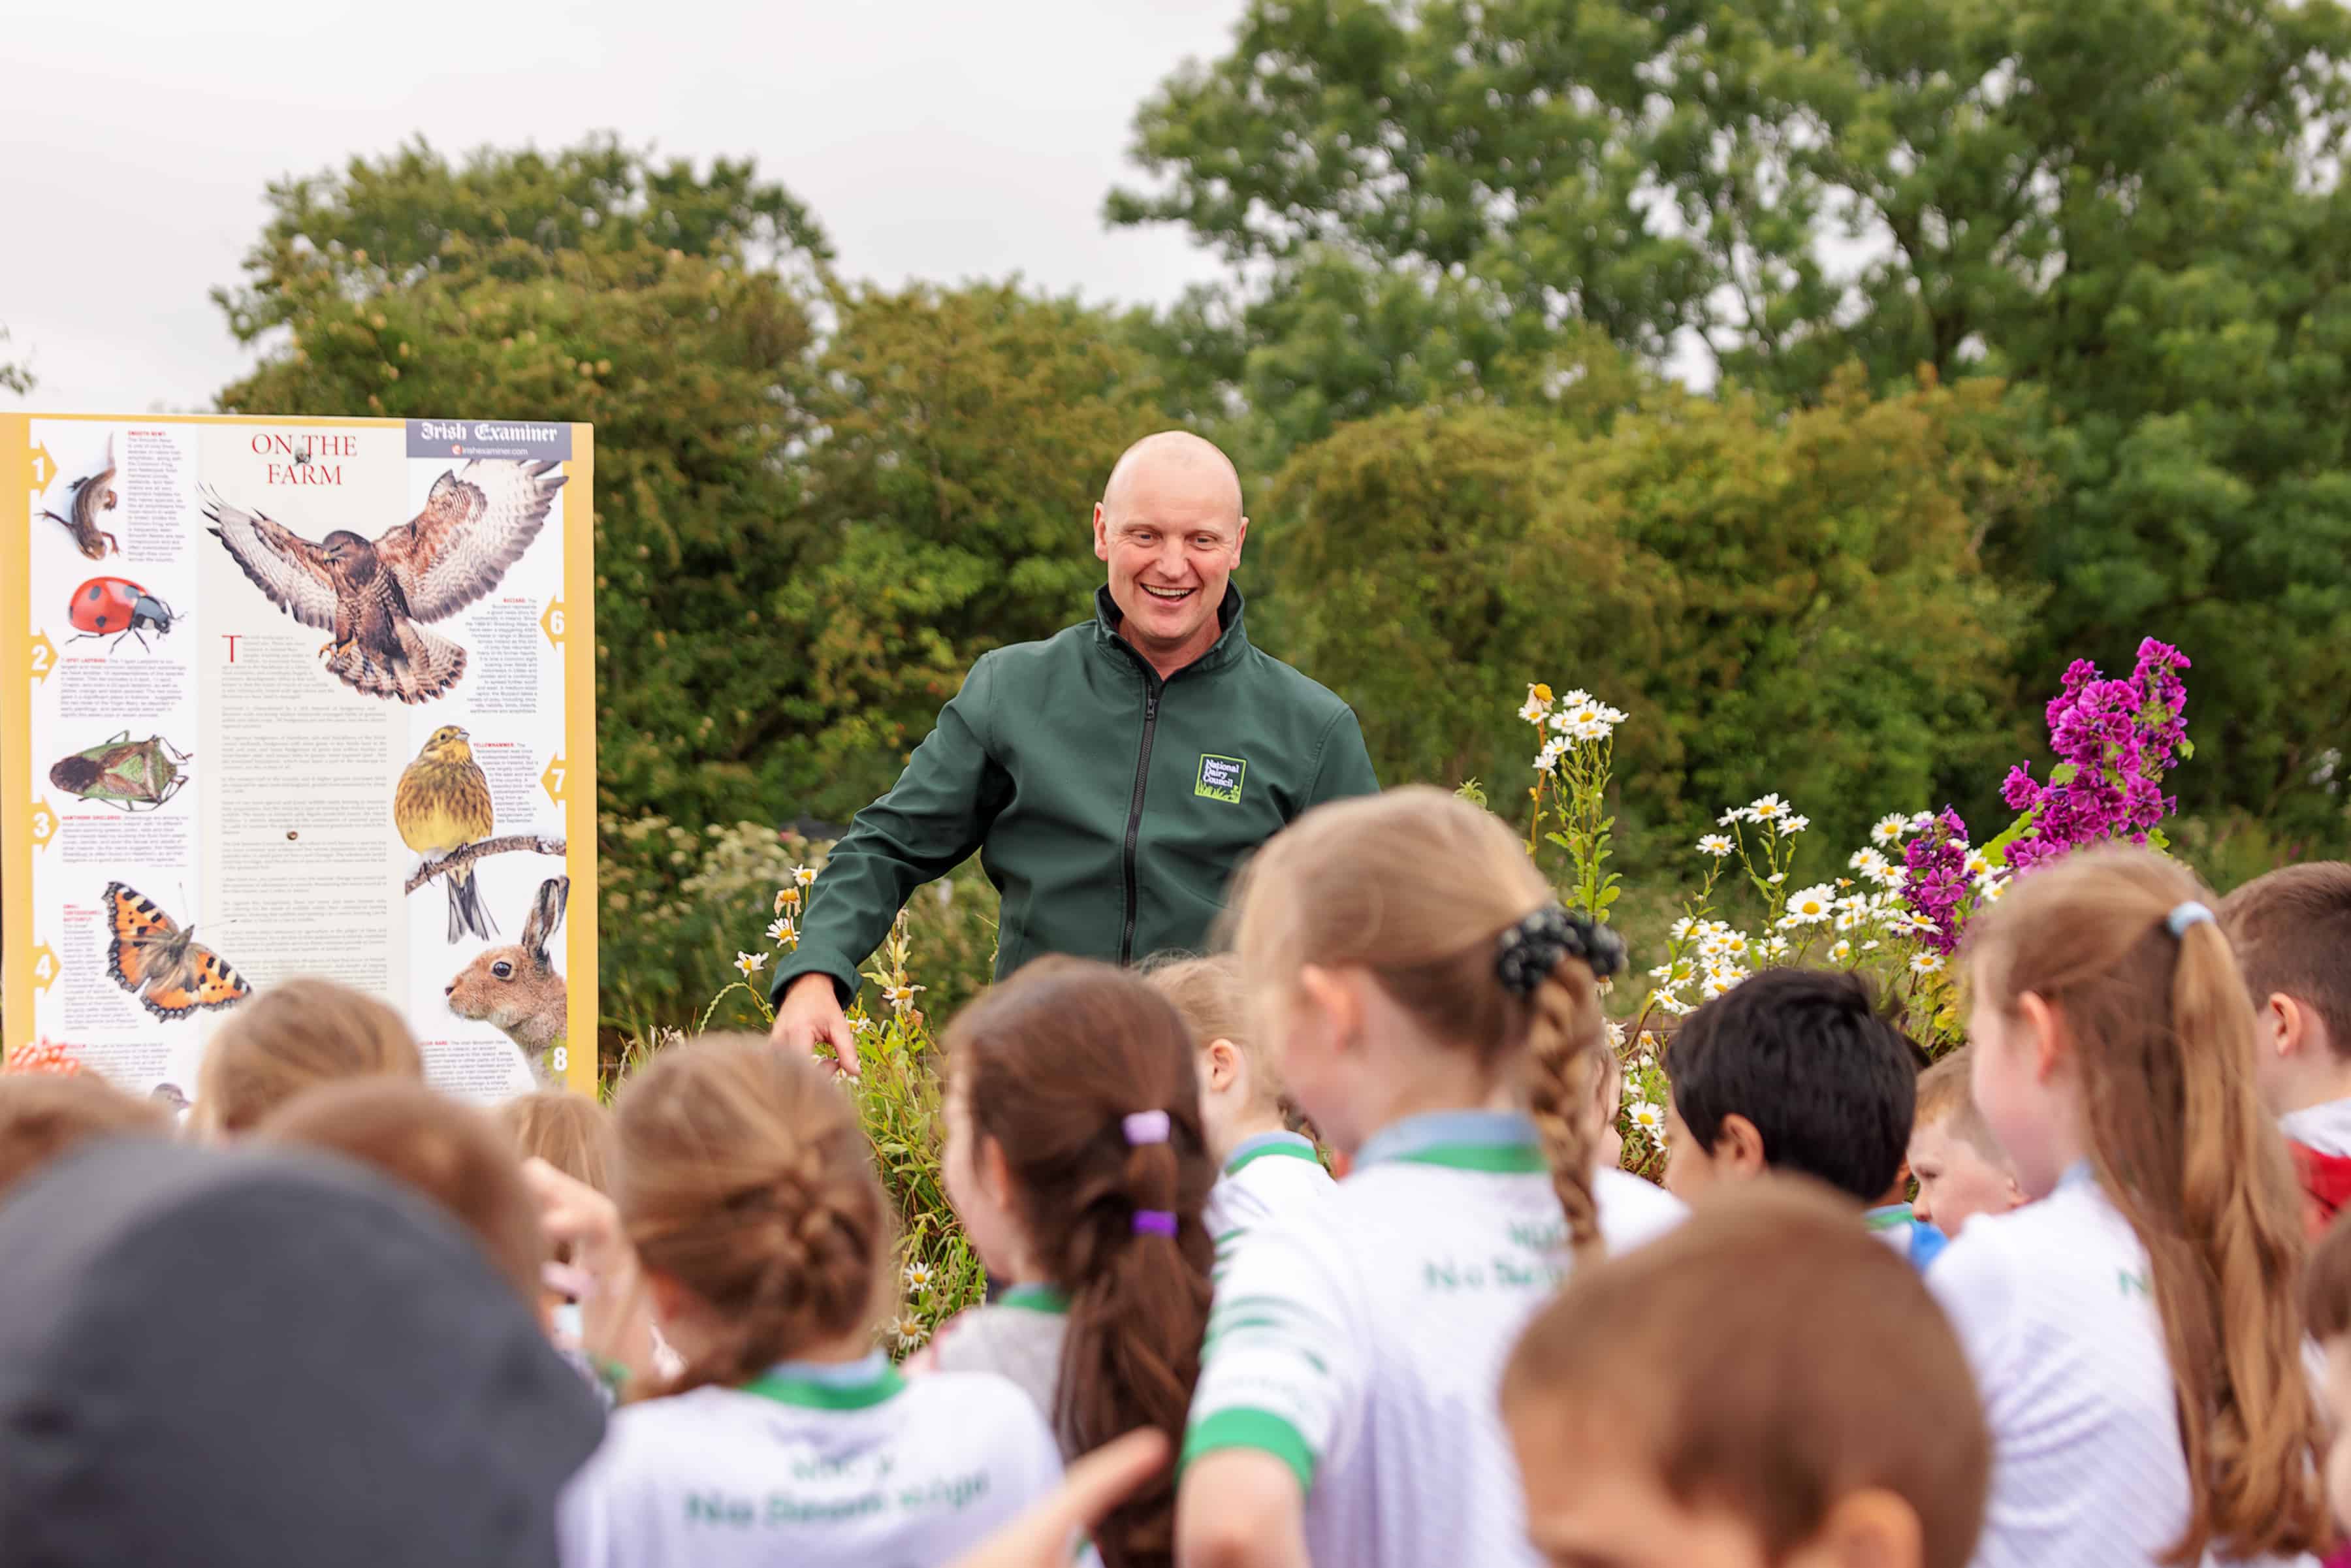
133 775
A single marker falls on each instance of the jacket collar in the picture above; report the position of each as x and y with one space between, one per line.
1232 643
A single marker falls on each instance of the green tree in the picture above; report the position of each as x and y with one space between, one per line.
966 437
526 285
1792 605
2133 205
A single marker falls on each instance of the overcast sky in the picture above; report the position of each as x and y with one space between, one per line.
934 139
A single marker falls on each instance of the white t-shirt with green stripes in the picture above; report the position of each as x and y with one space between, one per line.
1361 1344
1271 1175
811 1465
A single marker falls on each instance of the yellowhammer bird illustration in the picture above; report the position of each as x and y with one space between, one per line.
443 804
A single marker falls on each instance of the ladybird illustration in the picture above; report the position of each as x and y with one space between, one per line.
118 607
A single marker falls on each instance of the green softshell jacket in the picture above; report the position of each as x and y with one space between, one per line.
1110 808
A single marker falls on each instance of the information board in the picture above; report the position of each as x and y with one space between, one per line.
299 696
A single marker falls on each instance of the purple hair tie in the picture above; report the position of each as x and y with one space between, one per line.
1146 1127
1153 1221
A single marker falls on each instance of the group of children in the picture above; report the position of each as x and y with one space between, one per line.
2091 1336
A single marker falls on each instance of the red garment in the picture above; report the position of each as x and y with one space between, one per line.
2325 1185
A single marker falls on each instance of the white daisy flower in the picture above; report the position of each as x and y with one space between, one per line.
1889 829
1770 807
1682 927
1777 947
750 963
1870 945
780 932
1839 952
1790 826
1978 864
1669 1002
920 1276
804 876
1538 704
901 996
1926 963
907 1329
1811 905
1648 1118
1714 844
1547 758
1734 815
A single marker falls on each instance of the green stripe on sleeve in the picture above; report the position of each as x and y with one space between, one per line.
1260 1429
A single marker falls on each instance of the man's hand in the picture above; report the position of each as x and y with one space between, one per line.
811 1012
1040 1538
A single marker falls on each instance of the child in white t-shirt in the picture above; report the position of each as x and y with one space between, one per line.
2292 933
2113 1050
1264 1168
1412 972
1076 1160
751 1212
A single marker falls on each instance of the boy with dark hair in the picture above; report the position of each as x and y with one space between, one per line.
1796 1069
1830 1419
2292 931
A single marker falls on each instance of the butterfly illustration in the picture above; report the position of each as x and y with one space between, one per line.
162 964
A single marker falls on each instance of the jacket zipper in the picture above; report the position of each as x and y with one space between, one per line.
1153 687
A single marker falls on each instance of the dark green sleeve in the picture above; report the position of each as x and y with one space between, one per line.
1346 767
929 824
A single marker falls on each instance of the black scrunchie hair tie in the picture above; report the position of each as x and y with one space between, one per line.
1529 951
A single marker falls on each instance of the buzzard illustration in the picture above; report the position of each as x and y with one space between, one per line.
477 522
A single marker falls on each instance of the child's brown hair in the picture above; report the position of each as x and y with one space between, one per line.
1418 887
1947 1095
294 1034
1836 1373
2160 1033
571 1132
2292 933
43 1114
1053 1065
742 1174
2326 1284
449 1152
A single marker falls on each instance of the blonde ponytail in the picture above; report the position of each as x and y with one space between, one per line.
1563 1054
2117 943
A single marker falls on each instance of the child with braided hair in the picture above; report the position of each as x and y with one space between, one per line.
1410 973
751 1212
1077 1160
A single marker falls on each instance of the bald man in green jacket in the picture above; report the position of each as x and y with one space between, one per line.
1112 777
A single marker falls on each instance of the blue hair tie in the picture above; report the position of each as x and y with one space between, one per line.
2188 913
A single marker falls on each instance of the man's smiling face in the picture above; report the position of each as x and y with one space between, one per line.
1170 527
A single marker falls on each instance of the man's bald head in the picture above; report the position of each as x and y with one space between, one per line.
1176 457
1169 525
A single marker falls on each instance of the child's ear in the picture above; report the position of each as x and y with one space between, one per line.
1739 1147
1872 1528
1341 1008
1225 1064
671 1301
2047 1034
995 1173
2294 1029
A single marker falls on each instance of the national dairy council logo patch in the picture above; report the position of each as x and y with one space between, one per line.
1221 778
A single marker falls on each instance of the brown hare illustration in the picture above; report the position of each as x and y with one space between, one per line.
516 989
